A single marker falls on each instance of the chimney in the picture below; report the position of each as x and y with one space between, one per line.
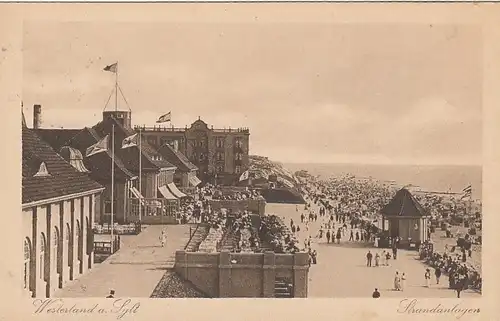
37 116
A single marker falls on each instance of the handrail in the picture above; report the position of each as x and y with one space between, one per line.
191 236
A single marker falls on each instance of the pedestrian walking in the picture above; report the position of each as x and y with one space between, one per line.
397 282
377 259
437 273
427 277
328 236
339 235
369 257
351 237
163 238
387 258
403 281
357 236
383 258
394 252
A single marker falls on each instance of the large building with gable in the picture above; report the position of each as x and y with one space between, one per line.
221 155
59 206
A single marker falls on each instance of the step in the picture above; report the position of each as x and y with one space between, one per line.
281 288
283 296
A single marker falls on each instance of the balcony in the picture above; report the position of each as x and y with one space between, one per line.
242 130
160 129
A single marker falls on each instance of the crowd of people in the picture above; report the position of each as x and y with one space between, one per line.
460 275
217 193
274 232
349 202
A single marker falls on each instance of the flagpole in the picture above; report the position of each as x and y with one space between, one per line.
140 172
112 185
116 87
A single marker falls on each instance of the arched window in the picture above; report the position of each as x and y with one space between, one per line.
78 240
27 259
69 244
55 246
43 245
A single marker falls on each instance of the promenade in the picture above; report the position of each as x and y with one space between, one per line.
341 269
136 269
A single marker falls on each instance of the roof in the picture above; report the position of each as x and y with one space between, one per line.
99 164
404 204
177 158
57 138
129 156
64 180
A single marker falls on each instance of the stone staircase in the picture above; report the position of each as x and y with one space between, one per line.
199 235
283 288
230 241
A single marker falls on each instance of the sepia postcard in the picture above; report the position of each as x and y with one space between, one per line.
339 160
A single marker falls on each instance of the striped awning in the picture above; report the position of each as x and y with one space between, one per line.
165 192
194 181
137 194
175 190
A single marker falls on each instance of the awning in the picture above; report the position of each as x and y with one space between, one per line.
137 194
175 190
194 180
165 192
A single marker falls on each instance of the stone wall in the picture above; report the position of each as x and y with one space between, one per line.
245 275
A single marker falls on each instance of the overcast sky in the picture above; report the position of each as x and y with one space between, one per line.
308 92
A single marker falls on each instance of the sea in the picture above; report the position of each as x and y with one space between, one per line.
435 178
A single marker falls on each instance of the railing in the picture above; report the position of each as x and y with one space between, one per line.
153 207
131 229
243 130
160 128
104 247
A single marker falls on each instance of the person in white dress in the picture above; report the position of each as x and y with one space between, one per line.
403 281
163 238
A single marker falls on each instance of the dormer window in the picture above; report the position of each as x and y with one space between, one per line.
42 171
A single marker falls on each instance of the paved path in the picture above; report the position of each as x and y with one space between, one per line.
341 269
136 269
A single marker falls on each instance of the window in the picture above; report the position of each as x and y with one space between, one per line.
239 156
238 142
202 157
27 258
42 171
219 169
42 256
220 156
200 143
55 245
151 141
237 169
219 142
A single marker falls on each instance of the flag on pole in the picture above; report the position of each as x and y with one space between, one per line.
112 68
99 147
244 176
129 141
165 118
467 192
